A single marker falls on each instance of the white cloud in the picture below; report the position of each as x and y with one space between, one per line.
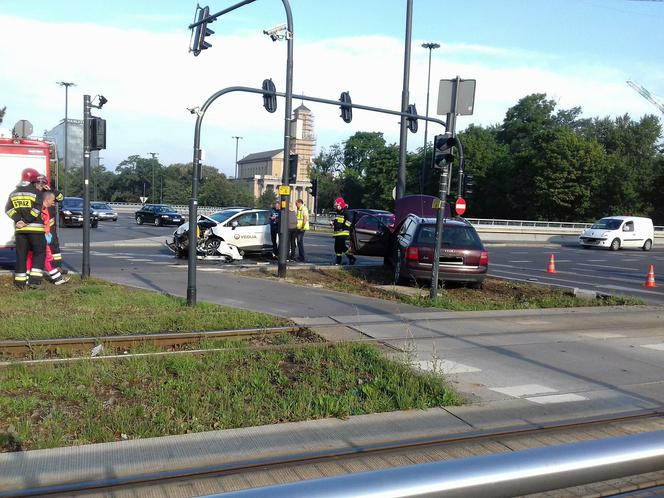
150 79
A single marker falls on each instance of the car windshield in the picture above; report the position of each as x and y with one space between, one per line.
607 224
72 203
99 205
462 237
164 209
222 216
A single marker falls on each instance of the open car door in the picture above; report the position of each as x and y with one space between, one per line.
370 235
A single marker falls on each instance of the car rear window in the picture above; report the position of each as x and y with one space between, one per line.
464 237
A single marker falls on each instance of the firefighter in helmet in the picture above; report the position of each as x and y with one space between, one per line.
24 207
54 244
341 225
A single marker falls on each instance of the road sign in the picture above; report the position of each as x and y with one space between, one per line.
456 99
460 206
143 199
284 190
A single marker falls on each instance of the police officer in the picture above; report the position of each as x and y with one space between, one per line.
24 208
341 225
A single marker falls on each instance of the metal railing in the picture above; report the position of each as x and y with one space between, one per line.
503 474
324 219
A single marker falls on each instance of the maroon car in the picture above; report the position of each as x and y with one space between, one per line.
462 254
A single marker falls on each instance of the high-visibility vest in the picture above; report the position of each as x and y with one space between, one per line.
302 212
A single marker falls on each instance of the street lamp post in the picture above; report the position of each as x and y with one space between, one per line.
237 169
403 136
430 46
154 187
66 84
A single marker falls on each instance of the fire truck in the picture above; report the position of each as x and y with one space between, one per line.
18 152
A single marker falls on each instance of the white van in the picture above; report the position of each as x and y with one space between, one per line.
616 232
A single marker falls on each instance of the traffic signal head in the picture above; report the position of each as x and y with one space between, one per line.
292 169
468 185
269 99
314 187
198 42
443 146
346 107
412 122
97 133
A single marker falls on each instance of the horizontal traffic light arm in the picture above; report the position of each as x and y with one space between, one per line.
213 17
335 103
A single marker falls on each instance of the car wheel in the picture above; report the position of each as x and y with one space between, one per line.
585 246
615 245
212 246
398 277
157 222
115 219
139 220
476 285
648 245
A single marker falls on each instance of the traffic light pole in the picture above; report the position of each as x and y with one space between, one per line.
285 197
85 267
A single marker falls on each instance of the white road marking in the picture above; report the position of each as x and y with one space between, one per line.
601 335
658 347
446 367
520 261
531 322
631 289
556 398
596 261
524 390
609 267
139 260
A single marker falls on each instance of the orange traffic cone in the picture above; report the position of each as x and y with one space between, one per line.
650 278
552 265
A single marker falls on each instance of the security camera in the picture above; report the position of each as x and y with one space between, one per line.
102 101
273 33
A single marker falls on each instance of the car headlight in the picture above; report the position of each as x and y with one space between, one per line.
67 212
95 213
165 216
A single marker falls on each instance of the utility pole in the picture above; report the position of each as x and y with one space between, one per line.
403 137
237 168
430 46
154 187
66 84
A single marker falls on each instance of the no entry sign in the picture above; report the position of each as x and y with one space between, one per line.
460 206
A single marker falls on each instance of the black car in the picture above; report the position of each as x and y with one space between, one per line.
158 214
71 213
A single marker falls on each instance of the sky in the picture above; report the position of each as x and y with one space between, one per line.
135 53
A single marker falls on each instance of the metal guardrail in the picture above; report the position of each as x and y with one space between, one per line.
325 218
504 474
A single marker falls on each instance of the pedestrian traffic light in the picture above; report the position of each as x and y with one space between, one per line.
443 150
412 122
292 169
468 185
269 99
97 133
346 107
314 187
198 42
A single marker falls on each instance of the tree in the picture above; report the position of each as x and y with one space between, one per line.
360 149
381 177
266 199
217 190
2 113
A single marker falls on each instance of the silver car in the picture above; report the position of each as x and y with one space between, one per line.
102 211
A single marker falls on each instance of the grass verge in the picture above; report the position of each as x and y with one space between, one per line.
495 294
101 401
94 308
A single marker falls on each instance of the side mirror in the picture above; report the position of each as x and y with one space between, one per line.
234 224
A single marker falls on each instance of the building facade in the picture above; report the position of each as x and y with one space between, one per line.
263 170
74 143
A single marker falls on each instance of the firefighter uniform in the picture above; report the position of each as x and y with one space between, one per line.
25 204
341 226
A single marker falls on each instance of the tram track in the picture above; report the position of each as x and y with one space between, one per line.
288 467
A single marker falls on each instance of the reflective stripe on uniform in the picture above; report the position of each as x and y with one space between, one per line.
344 233
57 256
36 272
11 212
34 212
20 277
31 227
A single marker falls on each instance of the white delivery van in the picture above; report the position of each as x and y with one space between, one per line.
616 232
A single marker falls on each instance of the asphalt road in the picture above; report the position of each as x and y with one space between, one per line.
623 272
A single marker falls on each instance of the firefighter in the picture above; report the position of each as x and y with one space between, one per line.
341 225
51 272
54 244
24 208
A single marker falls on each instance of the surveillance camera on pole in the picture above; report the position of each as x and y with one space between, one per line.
274 33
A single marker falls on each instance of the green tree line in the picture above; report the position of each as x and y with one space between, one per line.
540 163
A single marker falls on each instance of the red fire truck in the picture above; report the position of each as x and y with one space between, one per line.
16 154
